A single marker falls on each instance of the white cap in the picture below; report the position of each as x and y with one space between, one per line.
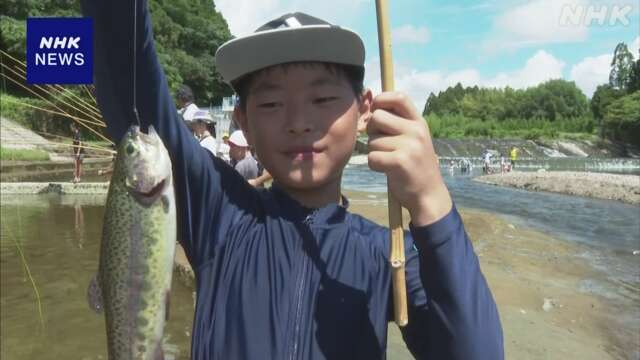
237 138
202 115
189 111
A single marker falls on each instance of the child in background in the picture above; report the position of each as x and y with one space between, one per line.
241 157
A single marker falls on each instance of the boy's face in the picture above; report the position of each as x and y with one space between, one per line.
303 121
237 153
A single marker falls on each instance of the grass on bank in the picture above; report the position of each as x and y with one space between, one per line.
23 154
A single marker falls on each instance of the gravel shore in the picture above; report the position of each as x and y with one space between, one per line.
625 188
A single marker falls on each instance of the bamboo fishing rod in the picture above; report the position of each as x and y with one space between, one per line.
396 258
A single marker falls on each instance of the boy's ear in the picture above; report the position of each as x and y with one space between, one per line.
240 117
365 110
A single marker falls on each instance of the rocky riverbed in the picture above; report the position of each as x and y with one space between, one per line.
625 188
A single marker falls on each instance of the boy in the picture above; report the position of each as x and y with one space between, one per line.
288 272
241 157
78 153
200 126
223 148
184 98
514 156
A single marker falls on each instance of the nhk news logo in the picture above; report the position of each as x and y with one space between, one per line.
59 50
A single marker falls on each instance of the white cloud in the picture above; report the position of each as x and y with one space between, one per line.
591 72
634 47
540 67
535 23
244 16
411 34
417 84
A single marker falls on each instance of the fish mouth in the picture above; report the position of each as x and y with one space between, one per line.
149 197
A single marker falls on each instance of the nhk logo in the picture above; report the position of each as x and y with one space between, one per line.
56 58
573 15
59 50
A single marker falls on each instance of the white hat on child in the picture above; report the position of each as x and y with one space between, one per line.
237 138
203 115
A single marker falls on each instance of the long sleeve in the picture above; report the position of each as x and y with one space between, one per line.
452 314
199 178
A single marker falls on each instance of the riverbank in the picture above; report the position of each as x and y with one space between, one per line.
624 188
62 188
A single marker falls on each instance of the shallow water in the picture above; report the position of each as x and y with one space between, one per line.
59 237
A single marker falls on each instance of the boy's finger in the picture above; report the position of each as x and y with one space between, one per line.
397 103
383 143
382 161
384 122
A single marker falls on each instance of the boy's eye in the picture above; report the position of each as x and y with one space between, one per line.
325 99
269 105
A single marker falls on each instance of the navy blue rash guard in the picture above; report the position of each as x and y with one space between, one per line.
276 280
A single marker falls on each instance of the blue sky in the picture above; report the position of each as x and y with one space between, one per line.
495 43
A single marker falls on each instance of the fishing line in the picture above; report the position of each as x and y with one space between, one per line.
135 64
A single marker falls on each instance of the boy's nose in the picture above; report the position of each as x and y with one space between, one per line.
297 122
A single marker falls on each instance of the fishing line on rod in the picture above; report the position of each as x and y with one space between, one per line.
135 64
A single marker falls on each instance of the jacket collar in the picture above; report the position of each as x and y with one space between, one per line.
291 209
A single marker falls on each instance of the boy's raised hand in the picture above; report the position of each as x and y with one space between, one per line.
400 146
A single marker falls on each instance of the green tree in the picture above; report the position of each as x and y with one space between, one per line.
622 118
621 67
634 79
603 97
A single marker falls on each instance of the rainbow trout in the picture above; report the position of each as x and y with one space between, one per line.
138 244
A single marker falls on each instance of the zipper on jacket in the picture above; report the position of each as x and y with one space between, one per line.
299 295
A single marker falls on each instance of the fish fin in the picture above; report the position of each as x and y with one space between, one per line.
94 295
166 305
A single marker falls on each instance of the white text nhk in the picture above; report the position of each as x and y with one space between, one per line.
56 58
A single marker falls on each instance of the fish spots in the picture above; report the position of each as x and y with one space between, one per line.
142 321
165 203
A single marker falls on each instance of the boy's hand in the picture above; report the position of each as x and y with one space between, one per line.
400 146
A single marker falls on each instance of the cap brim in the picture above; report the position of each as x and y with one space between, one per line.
322 43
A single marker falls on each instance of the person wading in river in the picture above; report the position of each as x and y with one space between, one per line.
288 272
77 149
